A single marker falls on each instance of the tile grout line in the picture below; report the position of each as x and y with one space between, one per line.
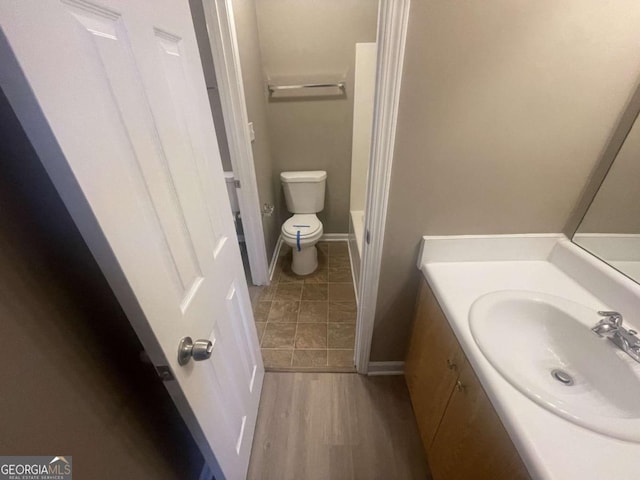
327 324
266 324
302 284
327 329
295 334
326 318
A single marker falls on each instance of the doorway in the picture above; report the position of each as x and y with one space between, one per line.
270 104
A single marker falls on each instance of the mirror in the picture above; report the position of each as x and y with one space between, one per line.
610 228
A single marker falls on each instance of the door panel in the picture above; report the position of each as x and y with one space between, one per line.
117 88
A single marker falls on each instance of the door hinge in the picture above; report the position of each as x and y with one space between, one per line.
236 183
368 237
164 372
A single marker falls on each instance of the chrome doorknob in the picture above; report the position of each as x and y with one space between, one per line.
198 350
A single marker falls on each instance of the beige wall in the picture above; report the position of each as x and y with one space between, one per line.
72 382
306 40
505 107
254 91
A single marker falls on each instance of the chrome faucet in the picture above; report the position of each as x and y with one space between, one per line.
611 327
608 326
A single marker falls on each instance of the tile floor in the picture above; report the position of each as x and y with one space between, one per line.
308 323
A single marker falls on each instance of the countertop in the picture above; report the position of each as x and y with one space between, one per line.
462 269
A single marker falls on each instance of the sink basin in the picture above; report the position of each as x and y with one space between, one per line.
543 346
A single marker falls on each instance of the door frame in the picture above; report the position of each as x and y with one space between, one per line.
393 21
226 61
393 18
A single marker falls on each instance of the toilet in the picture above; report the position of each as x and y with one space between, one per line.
304 194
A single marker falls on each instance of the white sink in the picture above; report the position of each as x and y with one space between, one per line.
526 336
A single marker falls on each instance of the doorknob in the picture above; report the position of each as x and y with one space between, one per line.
198 350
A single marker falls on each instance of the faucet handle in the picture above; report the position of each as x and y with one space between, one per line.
611 316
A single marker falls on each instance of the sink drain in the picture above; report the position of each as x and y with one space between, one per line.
562 376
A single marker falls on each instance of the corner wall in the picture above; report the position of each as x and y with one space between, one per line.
504 110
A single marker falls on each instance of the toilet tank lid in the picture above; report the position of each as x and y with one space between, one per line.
308 176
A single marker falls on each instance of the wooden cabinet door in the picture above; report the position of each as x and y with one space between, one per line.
471 441
431 366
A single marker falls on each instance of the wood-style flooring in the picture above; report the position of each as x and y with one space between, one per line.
336 426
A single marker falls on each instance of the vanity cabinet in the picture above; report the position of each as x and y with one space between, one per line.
461 432
431 365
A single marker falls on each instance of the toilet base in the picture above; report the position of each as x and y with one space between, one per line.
305 261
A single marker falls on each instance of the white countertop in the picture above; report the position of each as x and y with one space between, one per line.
461 269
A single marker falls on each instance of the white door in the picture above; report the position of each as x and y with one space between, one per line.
112 95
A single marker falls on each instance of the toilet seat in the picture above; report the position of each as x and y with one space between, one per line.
307 224
301 232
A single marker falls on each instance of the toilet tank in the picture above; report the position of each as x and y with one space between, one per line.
304 191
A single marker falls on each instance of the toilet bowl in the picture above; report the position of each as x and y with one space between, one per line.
301 232
304 195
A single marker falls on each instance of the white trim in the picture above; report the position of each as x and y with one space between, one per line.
386 368
393 18
274 257
353 275
335 237
205 473
354 252
226 60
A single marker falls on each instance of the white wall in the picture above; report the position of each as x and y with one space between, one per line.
364 86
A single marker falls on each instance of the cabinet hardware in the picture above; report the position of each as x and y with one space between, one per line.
451 365
460 386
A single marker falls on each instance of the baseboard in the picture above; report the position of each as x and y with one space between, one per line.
335 237
206 473
274 257
386 368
